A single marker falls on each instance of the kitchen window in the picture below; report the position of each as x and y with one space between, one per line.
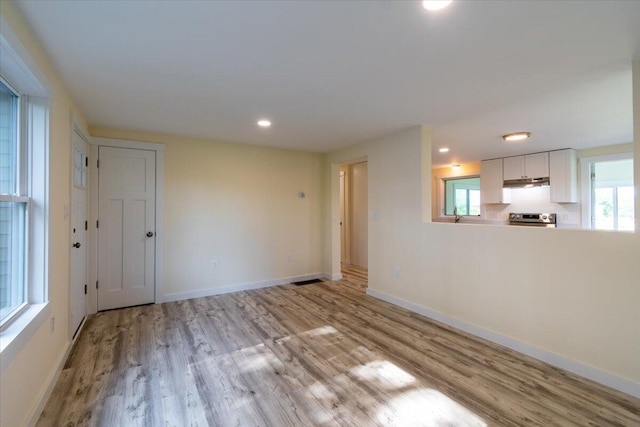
462 194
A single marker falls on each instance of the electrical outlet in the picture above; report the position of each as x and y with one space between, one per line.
289 257
52 324
396 271
214 265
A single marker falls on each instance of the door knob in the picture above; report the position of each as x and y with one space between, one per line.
76 245
150 234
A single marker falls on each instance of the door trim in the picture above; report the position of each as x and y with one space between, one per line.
93 214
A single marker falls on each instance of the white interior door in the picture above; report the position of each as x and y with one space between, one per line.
126 231
78 291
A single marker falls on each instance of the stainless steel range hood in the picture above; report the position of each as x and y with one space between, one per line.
526 182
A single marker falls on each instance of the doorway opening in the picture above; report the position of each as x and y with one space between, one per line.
354 219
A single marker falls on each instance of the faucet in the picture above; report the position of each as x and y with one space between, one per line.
456 217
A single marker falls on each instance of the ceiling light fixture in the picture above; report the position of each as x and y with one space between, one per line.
444 150
264 123
432 5
516 136
455 167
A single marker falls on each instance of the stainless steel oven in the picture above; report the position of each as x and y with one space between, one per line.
533 219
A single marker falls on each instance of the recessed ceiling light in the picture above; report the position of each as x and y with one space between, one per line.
436 4
264 123
516 136
444 150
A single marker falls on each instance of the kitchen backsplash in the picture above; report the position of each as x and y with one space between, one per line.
535 200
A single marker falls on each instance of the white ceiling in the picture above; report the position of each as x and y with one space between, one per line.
331 74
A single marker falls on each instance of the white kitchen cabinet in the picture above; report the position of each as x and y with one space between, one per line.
491 190
513 167
528 166
563 176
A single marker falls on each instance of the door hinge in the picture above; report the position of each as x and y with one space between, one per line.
85 289
86 225
96 284
97 223
98 163
86 161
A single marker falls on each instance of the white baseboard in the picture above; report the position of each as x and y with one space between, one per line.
585 371
239 287
51 383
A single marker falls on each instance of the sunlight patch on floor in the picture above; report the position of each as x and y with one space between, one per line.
253 359
323 330
427 407
321 391
404 399
383 374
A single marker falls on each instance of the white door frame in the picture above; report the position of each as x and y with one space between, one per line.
93 214
77 127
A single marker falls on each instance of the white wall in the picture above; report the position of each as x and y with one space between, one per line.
239 205
571 294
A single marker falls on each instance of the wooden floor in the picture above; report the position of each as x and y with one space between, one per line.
322 354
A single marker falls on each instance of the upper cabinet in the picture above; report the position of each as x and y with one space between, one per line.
528 166
491 188
563 176
560 166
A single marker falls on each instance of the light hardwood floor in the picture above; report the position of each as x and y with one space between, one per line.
323 354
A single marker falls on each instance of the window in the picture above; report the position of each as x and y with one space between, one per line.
612 195
463 194
14 207
608 192
24 183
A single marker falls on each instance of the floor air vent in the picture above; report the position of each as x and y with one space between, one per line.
307 282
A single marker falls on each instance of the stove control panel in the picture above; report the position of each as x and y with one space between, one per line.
532 218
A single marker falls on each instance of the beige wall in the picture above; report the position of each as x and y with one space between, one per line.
239 205
25 380
568 293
